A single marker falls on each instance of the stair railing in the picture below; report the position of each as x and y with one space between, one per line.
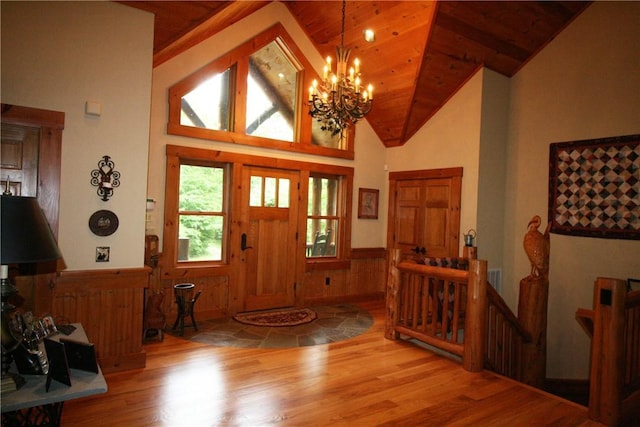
614 327
456 311
506 338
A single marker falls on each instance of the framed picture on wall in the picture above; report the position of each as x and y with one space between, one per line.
368 203
593 187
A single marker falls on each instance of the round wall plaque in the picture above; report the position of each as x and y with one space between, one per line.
103 223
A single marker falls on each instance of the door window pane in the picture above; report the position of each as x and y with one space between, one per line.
270 192
255 192
283 193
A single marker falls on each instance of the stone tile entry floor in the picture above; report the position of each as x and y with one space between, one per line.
334 323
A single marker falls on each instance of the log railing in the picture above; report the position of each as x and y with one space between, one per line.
614 326
456 311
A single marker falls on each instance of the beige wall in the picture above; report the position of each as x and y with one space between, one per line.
583 85
450 139
492 167
57 56
369 158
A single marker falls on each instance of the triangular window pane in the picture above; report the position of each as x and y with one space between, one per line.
208 105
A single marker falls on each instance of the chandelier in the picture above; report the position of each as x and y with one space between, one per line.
339 99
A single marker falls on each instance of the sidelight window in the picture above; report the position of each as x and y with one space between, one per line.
201 213
323 219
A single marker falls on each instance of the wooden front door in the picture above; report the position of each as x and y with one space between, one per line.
268 240
425 211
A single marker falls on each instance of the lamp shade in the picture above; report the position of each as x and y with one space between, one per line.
25 233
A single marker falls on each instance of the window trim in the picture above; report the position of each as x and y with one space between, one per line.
224 212
342 260
171 268
238 60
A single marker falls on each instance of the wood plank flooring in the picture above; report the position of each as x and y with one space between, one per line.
363 381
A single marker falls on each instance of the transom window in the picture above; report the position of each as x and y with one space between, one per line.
271 94
208 106
253 95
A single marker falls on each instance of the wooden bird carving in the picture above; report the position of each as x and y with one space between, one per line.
537 246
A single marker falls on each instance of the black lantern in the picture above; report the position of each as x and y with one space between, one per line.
26 238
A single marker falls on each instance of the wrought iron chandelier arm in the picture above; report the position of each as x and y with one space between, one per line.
345 101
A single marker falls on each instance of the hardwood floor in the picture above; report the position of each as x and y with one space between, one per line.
363 381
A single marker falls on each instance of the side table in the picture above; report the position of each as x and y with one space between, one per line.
32 402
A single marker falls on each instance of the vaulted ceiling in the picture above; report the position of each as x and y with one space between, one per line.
424 51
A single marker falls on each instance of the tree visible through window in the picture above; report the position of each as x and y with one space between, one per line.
201 213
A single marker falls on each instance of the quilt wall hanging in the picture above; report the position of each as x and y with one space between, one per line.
594 187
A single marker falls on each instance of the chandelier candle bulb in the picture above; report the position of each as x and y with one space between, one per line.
356 63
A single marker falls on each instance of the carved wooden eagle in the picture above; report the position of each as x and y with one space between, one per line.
537 246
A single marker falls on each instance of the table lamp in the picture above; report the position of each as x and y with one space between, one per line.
26 238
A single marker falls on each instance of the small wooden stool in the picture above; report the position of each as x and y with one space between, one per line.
185 302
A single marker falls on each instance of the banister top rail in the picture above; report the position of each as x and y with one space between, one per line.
460 276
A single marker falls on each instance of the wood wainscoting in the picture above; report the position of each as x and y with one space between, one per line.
108 303
364 280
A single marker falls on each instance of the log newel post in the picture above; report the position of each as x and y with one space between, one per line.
532 314
393 287
476 317
606 380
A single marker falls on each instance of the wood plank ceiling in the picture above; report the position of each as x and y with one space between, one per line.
423 53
